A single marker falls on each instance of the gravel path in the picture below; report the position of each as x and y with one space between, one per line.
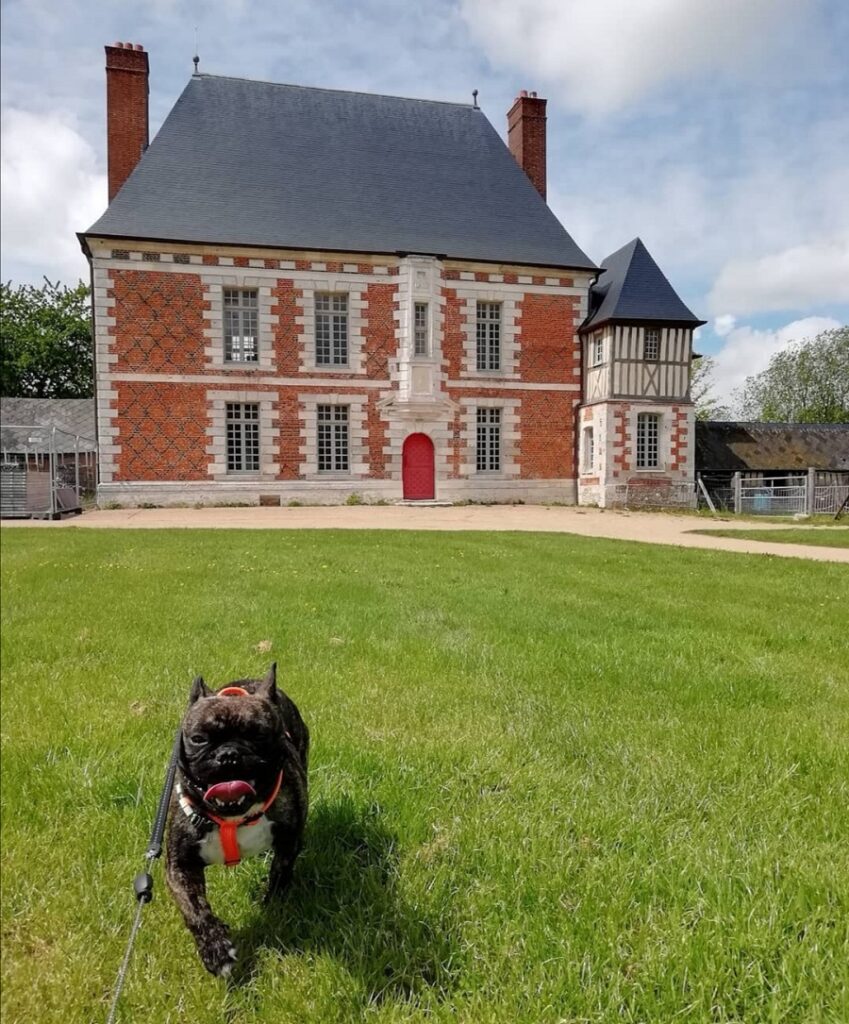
648 527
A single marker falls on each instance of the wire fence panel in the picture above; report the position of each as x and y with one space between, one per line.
773 501
827 500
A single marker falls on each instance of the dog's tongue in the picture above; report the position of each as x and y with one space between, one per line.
229 792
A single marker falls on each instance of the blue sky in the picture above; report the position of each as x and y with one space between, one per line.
717 130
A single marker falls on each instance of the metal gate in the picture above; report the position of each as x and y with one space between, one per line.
44 471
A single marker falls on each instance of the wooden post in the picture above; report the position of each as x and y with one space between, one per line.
704 491
738 487
811 492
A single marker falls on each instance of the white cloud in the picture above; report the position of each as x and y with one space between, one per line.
746 351
724 324
604 56
51 189
796 278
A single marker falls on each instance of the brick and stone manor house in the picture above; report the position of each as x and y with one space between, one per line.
304 294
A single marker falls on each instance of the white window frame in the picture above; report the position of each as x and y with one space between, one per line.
648 440
421 329
651 344
335 320
243 438
589 450
333 438
488 335
597 349
240 315
488 439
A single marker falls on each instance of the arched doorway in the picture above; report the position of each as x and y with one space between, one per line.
417 472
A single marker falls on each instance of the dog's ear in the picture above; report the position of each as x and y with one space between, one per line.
199 689
268 687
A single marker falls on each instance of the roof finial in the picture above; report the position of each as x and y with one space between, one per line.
475 99
196 59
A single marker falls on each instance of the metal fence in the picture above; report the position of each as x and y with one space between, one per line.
829 499
44 471
773 501
786 495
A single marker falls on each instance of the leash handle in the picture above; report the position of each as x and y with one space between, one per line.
154 847
143 882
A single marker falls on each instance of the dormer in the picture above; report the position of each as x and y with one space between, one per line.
638 338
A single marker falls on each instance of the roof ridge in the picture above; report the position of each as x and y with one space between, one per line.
322 88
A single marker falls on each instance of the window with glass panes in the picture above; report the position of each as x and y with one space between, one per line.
648 440
489 336
331 329
333 442
421 345
651 343
589 449
488 447
240 325
597 349
242 437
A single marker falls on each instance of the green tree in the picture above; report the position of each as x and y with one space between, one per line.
45 341
805 383
708 407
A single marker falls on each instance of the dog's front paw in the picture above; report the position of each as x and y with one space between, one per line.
217 952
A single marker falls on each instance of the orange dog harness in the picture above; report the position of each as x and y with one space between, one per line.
228 827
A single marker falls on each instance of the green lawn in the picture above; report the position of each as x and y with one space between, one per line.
553 779
792 535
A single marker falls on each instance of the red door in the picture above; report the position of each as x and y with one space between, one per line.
417 468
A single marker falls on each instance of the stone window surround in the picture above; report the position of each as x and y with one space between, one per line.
419 280
357 321
357 435
422 330
244 450
216 433
588 448
488 439
510 330
664 439
213 318
510 435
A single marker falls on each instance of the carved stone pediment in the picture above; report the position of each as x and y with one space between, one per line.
418 408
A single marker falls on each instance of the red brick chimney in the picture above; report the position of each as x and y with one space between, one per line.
526 136
126 111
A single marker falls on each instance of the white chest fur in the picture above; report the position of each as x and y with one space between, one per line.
253 840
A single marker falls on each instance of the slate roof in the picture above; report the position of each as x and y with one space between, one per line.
72 416
633 287
254 163
771 446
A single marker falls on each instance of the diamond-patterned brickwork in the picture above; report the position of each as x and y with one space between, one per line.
548 349
162 431
159 325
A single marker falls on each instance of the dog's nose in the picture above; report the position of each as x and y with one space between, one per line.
228 756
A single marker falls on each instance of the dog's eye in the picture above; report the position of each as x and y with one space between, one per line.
198 738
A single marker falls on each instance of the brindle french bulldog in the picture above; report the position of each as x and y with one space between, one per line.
241 789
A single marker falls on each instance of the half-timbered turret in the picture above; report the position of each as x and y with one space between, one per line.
636 420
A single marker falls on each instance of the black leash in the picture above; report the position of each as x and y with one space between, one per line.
143 882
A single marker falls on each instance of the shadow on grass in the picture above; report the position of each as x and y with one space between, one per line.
344 902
